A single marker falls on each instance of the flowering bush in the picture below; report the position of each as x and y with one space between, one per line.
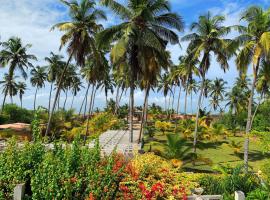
151 177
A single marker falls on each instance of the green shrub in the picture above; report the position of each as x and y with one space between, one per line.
13 113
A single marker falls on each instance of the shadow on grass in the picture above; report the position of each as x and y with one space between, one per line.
254 155
210 145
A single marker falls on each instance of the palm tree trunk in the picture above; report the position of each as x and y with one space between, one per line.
249 117
64 106
131 109
3 104
85 105
35 98
71 106
89 113
178 101
172 102
191 101
57 94
21 101
144 112
50 96
11 99
93 101
186 101
116 100
88 86
197 116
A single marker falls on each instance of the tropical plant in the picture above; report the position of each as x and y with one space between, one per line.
14 54
139 36
209 37
39 76
9 88
79 37
217 91
21 87
254 40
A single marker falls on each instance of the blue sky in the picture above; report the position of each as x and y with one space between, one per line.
31 20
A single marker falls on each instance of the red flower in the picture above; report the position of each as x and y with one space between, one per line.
91 197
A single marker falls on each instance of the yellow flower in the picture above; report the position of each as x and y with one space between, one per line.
176 163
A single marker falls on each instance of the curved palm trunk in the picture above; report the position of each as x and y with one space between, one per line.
85 105
3 104
50 96
35 98
144 113
197 117
58 102
57 95
178 101
89 113
249 117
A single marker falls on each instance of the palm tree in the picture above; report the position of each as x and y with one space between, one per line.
137 34
15 55
76 86
208 38
254 40
21 87
38 79
79 37
9 88
54 64
217 91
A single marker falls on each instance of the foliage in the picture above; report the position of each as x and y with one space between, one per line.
163 126
13 114
152 177
262 119
177 148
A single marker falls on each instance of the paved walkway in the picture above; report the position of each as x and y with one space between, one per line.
118 140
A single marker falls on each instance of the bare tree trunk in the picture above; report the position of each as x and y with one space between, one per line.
21 101
186 101
50 96
197 117
131 109
64 106
178 101
35 98
89 113
249 117
93 101
57 94
3 104
144 112
172 106
71 106
116 100
191 101
88 86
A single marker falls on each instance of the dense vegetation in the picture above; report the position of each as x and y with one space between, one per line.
235 124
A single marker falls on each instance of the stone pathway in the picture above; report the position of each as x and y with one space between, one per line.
118 140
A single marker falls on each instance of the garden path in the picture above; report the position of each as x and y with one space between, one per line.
118 140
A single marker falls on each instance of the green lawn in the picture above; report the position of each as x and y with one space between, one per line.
219 152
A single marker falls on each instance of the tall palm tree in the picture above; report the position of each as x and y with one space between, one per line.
146 25
54 64
38 79
79 36
21 87
208 38
217 91
9 88
254 40
14 54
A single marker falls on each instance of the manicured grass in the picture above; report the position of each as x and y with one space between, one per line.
219 152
